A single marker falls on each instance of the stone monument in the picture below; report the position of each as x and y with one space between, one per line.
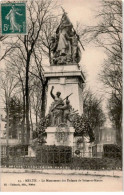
65 84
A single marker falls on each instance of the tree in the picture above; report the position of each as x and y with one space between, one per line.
92 119
36 100
108 35
15 116
115 113
93 110
27 48
39 81
40 9
48 32
4 52
16 70
112 68
8 85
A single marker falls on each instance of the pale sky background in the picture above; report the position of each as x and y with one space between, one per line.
83 11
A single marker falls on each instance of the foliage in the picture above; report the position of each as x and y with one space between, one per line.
108 35
38 135
43 124
82 126
15 116
61 156
112 151
112 68
97 163
93 117
115 114
18 150
93 110
6 51
115 110
54 154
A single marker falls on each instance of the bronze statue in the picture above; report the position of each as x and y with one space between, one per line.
53 47
56 114
64 45
66 111
59 112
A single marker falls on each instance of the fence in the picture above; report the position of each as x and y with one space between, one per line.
62 160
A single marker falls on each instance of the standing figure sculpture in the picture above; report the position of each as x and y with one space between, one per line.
56 115
66 111
64 40
59 111
64 46
53 47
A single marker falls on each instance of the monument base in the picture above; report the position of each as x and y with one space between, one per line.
66 139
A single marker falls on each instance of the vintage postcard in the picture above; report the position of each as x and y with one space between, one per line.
61 96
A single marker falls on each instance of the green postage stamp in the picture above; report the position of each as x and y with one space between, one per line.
13 18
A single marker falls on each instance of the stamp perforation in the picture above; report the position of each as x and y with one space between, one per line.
13 2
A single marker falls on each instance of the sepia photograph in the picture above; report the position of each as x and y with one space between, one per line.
61 96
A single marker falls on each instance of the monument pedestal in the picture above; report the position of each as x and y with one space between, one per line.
52 137
66 79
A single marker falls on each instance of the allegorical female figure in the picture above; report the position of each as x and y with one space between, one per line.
14 26
64 45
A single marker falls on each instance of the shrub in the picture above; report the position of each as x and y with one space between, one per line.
112 151
54 154
97 163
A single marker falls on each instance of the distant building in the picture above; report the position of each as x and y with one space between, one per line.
103 136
